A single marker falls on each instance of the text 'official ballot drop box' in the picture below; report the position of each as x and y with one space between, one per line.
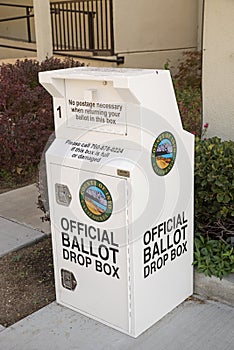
120 180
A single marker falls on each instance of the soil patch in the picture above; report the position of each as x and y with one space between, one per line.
27 281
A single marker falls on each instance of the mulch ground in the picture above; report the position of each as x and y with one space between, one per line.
27 281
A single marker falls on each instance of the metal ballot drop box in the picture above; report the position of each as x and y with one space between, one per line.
120 182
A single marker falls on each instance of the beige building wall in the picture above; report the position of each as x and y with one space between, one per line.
6 52
16 29
218 68
149 32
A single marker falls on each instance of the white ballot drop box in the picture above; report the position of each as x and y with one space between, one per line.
120 182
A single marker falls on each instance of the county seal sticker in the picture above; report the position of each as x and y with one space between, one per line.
96 200
163 153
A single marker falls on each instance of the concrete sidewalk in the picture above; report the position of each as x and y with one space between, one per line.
20 205
194 325
14 236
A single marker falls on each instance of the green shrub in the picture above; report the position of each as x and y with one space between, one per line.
214 206
213 257
214 181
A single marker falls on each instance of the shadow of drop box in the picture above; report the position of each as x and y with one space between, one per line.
120 180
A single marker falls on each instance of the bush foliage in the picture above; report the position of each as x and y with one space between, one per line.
214 179
187 84
26 117
214 206
213 257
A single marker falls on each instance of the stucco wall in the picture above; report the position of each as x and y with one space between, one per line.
155 28
16 29
218 68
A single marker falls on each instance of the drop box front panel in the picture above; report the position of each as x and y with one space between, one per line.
89 233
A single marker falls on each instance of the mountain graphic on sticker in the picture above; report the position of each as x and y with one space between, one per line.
95 200
164 148
164 153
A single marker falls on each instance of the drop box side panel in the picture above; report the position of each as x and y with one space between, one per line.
163 250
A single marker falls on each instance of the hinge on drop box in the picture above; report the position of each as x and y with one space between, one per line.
122 172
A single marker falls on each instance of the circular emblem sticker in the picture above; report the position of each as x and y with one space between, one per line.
163 153
96 200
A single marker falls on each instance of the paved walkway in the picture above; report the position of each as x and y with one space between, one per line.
14 236
194 325
191 326
20 205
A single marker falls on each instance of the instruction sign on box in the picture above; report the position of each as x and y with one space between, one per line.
120 180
